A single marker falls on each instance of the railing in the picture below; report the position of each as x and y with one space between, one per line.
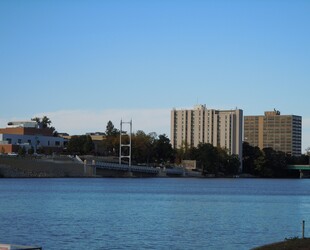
141 169
124 167
175 171
298 167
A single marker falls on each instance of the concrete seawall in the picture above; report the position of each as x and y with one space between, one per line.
30 167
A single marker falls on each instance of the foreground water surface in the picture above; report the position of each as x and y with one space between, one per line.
152 213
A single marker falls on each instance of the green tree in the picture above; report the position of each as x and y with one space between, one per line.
259 166
139 147
214 160
36 119
207 155
110 146
297 160
150 147
80 145
143 147
275 163
182 153
74 145
267 162
163 149
88 145
223 160
31 151
250 155
46 122
55 133
233 166
21 151
110 130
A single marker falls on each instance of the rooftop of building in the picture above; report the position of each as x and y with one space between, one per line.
272 114
27 128
22 124
204 107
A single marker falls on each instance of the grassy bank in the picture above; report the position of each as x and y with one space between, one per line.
290 244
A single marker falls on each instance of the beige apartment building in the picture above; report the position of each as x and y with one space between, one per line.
280 132
223 128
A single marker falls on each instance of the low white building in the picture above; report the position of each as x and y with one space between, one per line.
27 134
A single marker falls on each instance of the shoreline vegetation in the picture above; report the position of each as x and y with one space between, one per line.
65 166
288 244
149 150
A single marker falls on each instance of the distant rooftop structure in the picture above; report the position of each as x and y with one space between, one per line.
272 113
200 107
95 133
22 124
63 134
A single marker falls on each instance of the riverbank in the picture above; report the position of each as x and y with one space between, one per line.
290 244
68 166
42 167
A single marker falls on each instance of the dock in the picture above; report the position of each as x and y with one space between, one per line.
18 247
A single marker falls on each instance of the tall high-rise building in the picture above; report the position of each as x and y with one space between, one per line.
222 128
280 132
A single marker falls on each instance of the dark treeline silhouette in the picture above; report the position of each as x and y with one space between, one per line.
269 162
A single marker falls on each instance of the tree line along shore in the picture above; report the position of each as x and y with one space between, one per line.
156 150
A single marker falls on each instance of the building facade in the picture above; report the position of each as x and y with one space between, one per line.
280 132
28 135
223 128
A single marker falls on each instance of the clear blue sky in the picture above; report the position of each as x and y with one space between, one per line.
81 58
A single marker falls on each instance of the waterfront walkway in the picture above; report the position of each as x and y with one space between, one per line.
155 171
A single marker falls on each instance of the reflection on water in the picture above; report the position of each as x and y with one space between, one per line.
152 213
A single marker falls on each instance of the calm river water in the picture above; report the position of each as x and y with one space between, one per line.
152 213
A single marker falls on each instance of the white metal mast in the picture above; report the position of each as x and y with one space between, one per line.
128 145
